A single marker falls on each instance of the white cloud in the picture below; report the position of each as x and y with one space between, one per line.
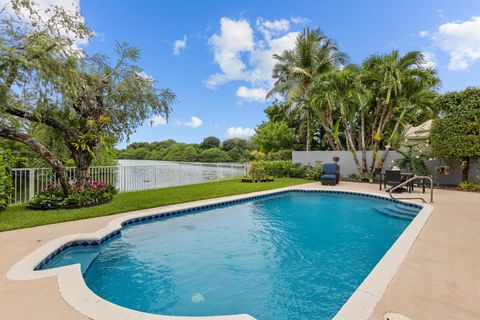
300 20
430 59
269 27
157 121
236 36
239 132
461 40
262 59
194 122
242 56
179 45
423 33
251 94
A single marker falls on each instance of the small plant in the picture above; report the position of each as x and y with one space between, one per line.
257 170
314 172
414 161
52 197
353 177
469 186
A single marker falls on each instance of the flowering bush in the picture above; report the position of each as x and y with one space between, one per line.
52 197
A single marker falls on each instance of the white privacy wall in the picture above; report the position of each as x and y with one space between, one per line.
348 166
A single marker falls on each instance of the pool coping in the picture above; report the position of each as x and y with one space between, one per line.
77 294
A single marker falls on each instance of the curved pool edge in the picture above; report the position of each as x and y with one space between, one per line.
77 294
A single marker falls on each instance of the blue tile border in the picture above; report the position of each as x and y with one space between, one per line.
158 216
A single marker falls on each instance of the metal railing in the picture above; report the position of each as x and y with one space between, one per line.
27 182
411 181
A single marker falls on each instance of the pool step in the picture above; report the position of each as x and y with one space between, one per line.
395 213
401 209
407 208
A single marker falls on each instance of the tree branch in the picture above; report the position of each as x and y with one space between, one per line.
70 134
39 149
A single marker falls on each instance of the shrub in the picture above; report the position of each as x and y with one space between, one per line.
5 178
469 186
257 170
314 172
284 169
52 197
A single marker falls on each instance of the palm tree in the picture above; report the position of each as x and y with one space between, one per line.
314 54
397 83
341 98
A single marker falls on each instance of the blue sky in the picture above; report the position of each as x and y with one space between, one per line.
220 67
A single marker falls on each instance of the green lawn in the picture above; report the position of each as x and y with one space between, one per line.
18 216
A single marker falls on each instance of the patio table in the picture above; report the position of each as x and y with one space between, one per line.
405 177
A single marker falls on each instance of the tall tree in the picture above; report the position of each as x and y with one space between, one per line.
455 134
367 107
314 54
47 82
396 82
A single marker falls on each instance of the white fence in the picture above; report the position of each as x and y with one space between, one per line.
29 181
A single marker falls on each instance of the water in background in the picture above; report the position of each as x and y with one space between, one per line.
152 174
129 175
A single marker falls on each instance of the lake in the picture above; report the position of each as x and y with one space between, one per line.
153 174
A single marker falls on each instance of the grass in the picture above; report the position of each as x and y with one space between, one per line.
18 216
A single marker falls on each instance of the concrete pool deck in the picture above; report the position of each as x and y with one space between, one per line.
439 278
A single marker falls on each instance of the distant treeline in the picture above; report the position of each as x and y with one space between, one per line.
210 150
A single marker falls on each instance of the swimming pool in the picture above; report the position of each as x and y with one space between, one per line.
293 255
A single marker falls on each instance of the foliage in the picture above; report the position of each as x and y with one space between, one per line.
314 172
257 170
314 54
190 153
6 162
79 98
284 169
52 197
280 155
455 134
414 161
238 154
257 155
233 143
274 136
210 142
363 107
18 216
237 150
214 155
469 186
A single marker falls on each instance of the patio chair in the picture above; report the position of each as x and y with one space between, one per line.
331 174
392 178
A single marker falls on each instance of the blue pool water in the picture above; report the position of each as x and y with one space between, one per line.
285 257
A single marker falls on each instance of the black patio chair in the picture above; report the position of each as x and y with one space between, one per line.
392 178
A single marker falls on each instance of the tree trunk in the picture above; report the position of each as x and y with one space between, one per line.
82 161
364 148
42 151
307 145
465 168
354 154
